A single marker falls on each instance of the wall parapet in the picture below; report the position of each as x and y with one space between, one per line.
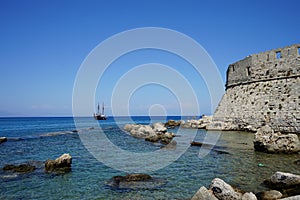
276 63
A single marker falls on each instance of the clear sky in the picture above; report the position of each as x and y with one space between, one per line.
44 42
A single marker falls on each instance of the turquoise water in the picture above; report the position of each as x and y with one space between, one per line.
39 139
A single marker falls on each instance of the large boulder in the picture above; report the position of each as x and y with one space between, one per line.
219 190
61 164
204 194
224 191
139 131
283 180
155 133
266 140
3 139
134 181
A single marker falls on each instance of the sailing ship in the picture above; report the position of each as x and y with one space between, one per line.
100 115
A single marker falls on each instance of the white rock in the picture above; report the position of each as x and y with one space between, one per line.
224 191
204 194
249 196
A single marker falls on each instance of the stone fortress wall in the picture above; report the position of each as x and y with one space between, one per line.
263 89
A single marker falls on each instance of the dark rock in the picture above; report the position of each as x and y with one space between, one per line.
165 141
153 138
3 139
172 123
134 181
61 164
210 146
297 162
23 168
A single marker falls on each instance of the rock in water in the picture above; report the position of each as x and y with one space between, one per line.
269 195
172 123
62 164
284 180
204 194
223 190
23 168
3 139
267 141
134 181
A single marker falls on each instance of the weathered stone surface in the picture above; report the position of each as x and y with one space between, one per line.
197 123
134 181
159 127
249 196
262 89
223 190
267 141
23 168
63 164
3 139
292 198
283 180
155 133
269 195
204 194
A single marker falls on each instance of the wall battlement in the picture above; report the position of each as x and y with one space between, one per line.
263 88
274 64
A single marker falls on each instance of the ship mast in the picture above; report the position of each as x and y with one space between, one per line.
102 108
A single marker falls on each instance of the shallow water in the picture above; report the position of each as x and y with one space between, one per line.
39 139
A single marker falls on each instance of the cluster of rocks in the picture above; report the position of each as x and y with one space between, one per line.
61 164
266 140
152 133
220 190
201 123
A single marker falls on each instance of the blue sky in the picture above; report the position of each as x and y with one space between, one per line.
43 44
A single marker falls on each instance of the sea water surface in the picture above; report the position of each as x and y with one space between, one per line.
37 139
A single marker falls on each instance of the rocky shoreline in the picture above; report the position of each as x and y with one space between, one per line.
282 185
61 164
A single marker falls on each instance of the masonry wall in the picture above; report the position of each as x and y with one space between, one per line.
263 89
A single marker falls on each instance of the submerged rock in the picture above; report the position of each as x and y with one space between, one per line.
23 168
267 141
3 139
61 164
134 181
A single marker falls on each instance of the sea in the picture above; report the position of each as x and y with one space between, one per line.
230 156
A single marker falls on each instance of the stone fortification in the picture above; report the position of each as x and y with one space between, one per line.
263 89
